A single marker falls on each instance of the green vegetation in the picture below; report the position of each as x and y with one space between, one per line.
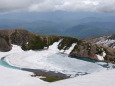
24 47
67 42
106 51
14 34
112 37
51 79
99 50
34 44
39 42
52 39
76 48
89 48
106 58
6 38
109 59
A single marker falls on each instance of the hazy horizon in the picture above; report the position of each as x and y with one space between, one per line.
74 18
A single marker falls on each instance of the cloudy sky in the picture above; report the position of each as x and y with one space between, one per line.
54 5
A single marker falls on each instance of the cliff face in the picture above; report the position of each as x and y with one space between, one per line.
81 48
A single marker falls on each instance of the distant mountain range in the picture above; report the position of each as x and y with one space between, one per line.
91 29
79 25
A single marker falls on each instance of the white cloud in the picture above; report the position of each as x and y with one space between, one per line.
52 5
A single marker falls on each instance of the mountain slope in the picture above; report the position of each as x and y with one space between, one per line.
72 46
106 40
89 29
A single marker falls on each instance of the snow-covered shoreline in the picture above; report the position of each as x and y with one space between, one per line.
103 78
51 60
12 77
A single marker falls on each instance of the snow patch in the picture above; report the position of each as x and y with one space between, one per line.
27 42
107 42
101 57
69 50
15 49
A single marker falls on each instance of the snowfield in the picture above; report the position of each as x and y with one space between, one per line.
12 77
103 78
107 42
52 60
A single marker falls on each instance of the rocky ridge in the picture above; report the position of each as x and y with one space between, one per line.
32 41
106 40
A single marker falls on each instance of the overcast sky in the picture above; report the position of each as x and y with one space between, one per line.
54 5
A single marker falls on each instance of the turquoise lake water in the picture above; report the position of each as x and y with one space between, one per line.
5 64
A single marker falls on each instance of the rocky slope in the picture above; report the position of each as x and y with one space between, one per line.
106 40
31 41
